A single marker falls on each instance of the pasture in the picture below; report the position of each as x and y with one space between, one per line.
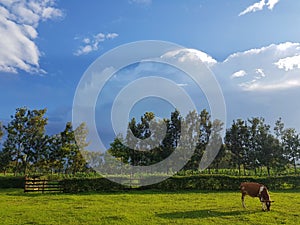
146 207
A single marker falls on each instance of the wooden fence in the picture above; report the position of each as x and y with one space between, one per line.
42 185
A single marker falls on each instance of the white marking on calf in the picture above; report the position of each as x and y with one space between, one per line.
261 190
262 200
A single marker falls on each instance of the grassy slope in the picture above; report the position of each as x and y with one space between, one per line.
145 208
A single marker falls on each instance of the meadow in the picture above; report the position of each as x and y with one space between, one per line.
145 207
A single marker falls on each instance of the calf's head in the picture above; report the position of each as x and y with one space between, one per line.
268 204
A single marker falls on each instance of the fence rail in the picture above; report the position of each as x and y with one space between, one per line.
42 185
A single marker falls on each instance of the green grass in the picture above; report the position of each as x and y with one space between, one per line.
145 207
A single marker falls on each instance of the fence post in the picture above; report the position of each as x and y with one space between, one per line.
43 188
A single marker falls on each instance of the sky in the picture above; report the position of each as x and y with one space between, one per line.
252 47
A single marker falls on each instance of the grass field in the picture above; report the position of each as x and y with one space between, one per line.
145 207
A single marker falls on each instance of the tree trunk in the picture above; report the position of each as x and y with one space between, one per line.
261 170
268 169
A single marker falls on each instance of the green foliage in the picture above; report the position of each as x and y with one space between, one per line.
291 143
253 146
28 150
179 183
222 182
249 145
196 135
26 139
1 130
73 141
76 185
11 182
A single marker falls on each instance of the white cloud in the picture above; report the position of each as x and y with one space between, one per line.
240 73
287 84
260 73
111 35
253 8
260 82
191 54
273 67
258 6
90 44
268 68
18 28
289 63
272 3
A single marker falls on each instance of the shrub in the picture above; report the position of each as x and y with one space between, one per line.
75 185
176 183
11 182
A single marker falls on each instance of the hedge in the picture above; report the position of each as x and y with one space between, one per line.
11 182
75 185
223 182
176 183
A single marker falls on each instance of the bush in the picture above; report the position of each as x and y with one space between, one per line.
75 185
11 182
176 183
223 182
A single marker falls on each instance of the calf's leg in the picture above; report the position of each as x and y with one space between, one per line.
243 200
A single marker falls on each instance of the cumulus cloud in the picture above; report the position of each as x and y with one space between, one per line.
191 54
259 82
90 44
289 63
240 73
18 28
272 67
258 6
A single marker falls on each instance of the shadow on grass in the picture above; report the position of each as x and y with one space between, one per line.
20 192
201 214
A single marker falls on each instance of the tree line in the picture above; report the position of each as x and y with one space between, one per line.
248 144
253 145
28 149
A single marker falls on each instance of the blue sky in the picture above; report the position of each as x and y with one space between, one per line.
252 47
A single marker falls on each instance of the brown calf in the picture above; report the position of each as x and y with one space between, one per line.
256 190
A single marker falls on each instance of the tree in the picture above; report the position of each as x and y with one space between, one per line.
57 156
144 140
1 131
236 139
72 142
190 136
199 129
216 151
279 129
119 150
5 161
66 150
291 146
4 156
25 138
